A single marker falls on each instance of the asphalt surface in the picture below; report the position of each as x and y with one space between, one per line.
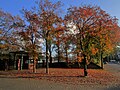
31 84
113 67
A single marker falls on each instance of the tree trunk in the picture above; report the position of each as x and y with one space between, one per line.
58 53
102 60
66 55
47 63
85 69
50 54
78 52
78 55
85 66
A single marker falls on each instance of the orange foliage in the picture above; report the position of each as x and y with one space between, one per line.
94 50
79 58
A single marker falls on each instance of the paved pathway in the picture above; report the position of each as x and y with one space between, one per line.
31 84
114 68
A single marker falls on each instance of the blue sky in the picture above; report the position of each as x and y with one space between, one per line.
110 6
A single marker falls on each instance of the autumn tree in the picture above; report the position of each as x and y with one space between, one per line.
19 34
85 19
45 19
58 40
27 31
9 40
67 45
8 35
108 33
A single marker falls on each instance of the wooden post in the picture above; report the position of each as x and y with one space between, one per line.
19 64
21 61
